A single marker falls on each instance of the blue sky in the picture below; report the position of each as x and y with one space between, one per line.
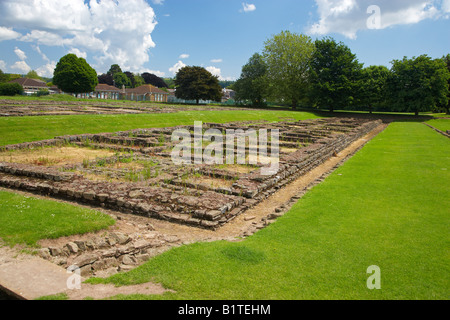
160 36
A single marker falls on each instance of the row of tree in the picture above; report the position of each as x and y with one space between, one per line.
115 77
325 74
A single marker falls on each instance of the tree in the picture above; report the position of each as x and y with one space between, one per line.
106 79
131 77
287 57
74 75
3 77
138 80
120 80
10 89
197 83
334 75
115 68
33 75
447 62
371 87
418 84
253 85
154 80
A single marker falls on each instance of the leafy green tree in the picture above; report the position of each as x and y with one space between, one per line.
138 80
3 77
170 82
287 57
10 89
334 75
74 75
418 84
371 88
447 62
121 79
115 68
253 85
33 75
197 83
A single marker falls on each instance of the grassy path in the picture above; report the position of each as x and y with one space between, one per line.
387 206
25 129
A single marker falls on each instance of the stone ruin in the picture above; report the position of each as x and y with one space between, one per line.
135 174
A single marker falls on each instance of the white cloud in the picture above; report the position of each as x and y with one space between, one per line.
215 71
446 6
347 17
20 54
47 69
247 7
78 53
217 60
38 50
177 66
8 34
2 65
158 2
116 31
184 56
218 73
21 66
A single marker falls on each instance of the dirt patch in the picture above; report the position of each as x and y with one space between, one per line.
54 156
103 291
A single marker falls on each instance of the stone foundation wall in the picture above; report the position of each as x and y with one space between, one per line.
172 200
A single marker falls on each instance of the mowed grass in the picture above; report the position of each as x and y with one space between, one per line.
441 124
26 220
387 206
26 129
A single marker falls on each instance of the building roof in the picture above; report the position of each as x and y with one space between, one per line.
146 89
105 87
25 82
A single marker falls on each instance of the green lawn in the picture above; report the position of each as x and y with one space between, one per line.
387 206
25 129
441 124
26 220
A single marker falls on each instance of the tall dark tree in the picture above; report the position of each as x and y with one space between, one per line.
447 62
74 75
371 89
253 84
418 84
197 83
106 79
334 73
154 80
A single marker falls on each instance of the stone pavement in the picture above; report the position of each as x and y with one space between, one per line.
28 277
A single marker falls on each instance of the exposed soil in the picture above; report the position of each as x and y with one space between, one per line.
53 156
103 291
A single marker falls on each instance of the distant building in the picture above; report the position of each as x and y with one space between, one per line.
32 86
228 94
105 91
145 93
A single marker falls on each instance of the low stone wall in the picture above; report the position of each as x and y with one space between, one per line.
109 254
175 201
